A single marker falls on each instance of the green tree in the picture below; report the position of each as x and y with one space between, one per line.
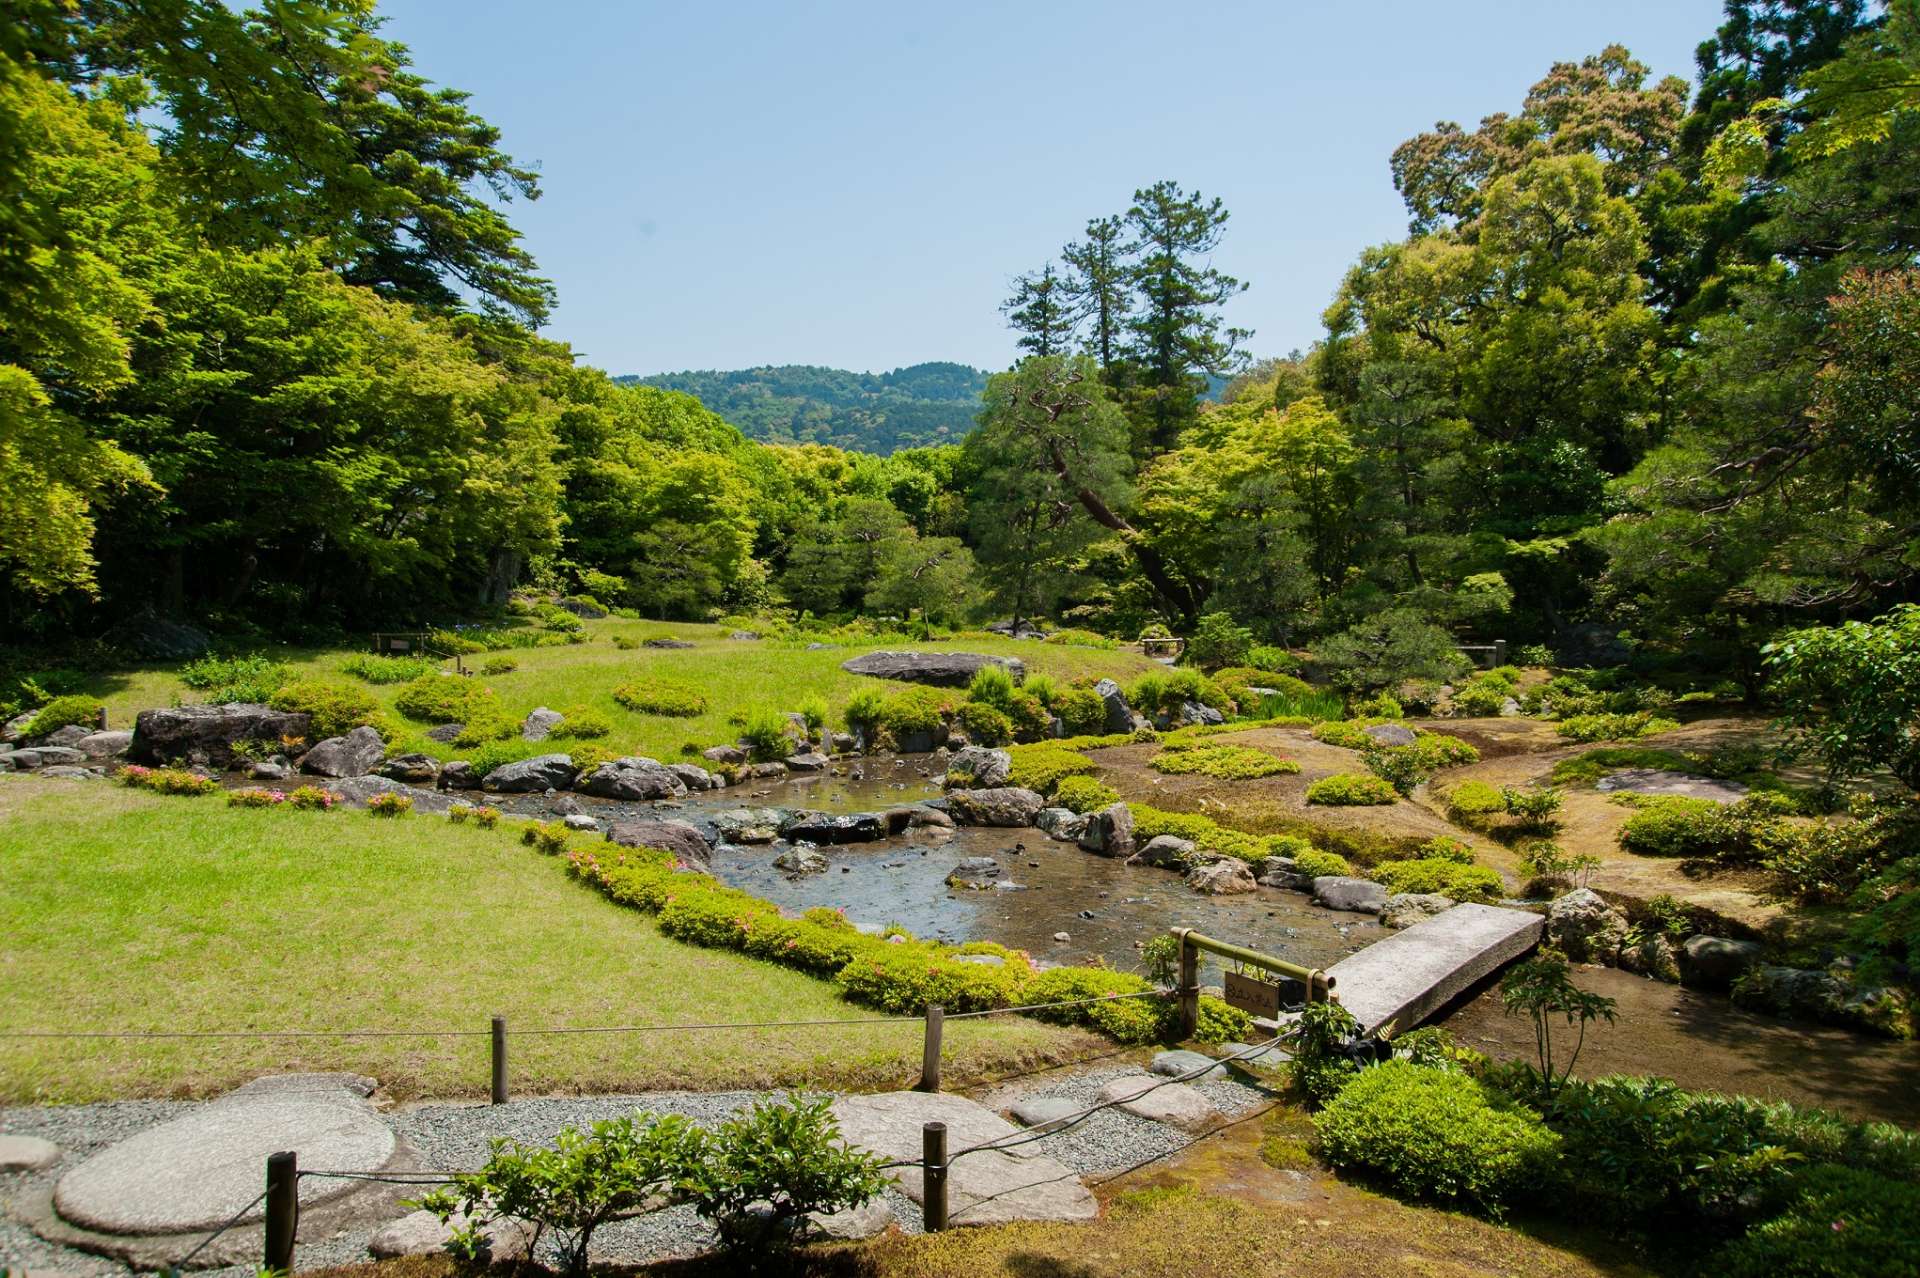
1851 693
1177 336
1041 311
1099 281
933 577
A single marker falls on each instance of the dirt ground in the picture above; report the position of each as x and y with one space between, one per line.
1513 752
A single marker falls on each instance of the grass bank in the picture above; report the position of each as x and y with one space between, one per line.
736 676
127 911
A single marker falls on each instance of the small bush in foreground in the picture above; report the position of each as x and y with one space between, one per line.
389 805
1675 826
167 781
499 666
313 798
766 736
1045 767
1839 1223
1613 727
255 798
1350 789
1322 864
1436 1135
441 698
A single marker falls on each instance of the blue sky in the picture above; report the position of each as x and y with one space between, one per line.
854 184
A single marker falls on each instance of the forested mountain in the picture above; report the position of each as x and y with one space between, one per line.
911 407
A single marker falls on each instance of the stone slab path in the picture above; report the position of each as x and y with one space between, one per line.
1411 975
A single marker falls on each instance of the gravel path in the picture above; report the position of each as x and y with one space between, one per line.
455 1137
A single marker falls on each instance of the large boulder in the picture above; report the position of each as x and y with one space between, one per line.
1060 823
749 825
1716 962
1225 877
808 761
1584 927
1119 713
459 775
207 734
529 776
695 777
800 860
1166 851
942 669
1358 896
632 778
977 766
1194 713
353 755
1391 734
70 735
414 769
841 827
733 755
1000 805
1109 832
1652 955
678 837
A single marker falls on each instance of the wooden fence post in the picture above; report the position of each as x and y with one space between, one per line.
499 1060
1189 985
933 1176
283 1210
930 1050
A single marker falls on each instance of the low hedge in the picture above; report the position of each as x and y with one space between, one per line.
1321 864
1435 1134
1043 766
1351 789
1675 826
1613 727
334 709
1475 799
440 698
1342 732
1084 794
896 972
1226 762
1839 1223
658 696
1446 877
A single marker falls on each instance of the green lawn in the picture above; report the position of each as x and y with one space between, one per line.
128 911
737 676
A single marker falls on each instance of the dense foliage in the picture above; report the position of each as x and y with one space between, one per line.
915 407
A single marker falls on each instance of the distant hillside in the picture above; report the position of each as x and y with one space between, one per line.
868 412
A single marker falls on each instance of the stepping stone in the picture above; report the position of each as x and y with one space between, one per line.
1666 782
420 1233
215 1157
1173 1064
27 1153
1044 1112
1179 1104
988 1188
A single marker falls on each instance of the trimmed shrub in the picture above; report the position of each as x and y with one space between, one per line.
916 710
549 837
657 696
486 817
1613 727
167 781
441 698
1273 660
991 685
1436 1135
1080 710
1676 826
1481 699
1444 847
1083 794
65 712
1031 722
499 666
1339 732
313 798
487 724
1448 878
336 708
378 669
1474 799
1350 789
767 736
1227 762
1321 864
1535 810
1839 1223
1379 706
984 724
1219 641
1044 766
578 723
1165 692
864 709
255 797
389 805
1081 639
492 755
906 978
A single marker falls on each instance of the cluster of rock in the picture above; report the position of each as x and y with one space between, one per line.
72 751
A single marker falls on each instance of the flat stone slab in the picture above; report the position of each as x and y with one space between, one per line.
1252 1061
992 1187
1180 1104
1174 1064
1662 781
195 1172
1408 977
27 1153
421 1233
